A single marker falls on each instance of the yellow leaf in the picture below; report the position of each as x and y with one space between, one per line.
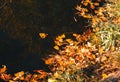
96 29
112 48
88 1
100 49
104 75
43 35
69 40
63 36
103 58
52 80
85 4
19 73
11 81
56 75
96 4
56 47
92 62
21 78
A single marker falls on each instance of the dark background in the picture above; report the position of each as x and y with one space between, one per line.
21 21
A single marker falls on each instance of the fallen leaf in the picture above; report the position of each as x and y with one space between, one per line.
43 35
56 47
2 70
104 75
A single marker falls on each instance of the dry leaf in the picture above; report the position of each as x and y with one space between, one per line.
103 58
104 75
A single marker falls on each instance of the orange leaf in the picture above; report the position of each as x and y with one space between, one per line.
92 6
5 77
42 73
85 4
2 70
99 0
49 61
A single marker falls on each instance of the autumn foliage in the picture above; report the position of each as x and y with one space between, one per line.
93 56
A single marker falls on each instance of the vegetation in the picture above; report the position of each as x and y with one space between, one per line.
93 56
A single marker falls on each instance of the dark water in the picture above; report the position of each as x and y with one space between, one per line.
55 20
11 55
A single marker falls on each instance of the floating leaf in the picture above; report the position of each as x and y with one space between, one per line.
43 35
2 70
